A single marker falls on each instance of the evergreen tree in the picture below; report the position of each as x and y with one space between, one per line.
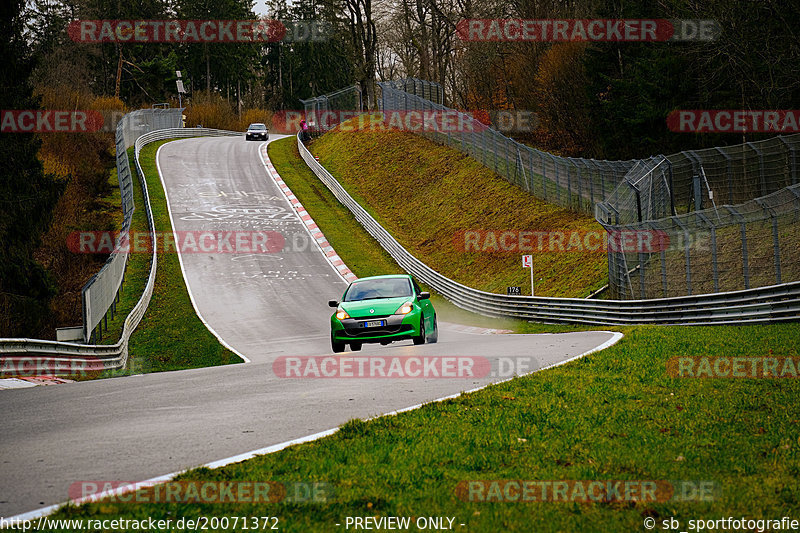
26 194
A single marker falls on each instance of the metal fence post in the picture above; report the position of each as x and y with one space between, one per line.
569 184
791 158
687 252
745 260
729 164
544 177
762 178
530 164
602 182
558 185
580 187
714 264
776 247
663 259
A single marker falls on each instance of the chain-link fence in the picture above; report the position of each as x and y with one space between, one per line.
323 113
729 215
101 293
575 183
718 249
429 90
697 179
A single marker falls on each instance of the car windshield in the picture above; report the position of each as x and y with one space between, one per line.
378 288
257 127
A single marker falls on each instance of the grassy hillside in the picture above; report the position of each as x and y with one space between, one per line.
428 195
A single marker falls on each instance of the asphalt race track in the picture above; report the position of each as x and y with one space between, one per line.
264 306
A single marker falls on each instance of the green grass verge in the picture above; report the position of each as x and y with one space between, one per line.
138 267
170 335
613 415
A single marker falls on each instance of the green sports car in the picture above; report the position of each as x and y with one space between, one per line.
383 309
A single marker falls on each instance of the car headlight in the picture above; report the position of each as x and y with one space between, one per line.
341 314
405 308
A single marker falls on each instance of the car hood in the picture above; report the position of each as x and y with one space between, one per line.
382 306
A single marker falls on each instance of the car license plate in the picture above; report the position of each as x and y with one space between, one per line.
374 323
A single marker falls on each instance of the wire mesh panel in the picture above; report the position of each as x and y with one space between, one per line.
718 249
673 228
730 175
427 90
728 213
323 113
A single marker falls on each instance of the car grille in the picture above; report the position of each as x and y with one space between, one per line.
354 328
375 332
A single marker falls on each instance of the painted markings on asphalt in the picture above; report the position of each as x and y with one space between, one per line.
327 249
24 383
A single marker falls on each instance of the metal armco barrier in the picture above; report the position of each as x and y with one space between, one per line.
43 354
776 303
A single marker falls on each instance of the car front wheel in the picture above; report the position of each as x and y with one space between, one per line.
434 338
421 339
336 346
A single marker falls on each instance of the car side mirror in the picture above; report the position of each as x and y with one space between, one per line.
424 295
333 303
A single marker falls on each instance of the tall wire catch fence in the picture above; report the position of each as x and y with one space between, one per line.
724 218
323 113
575 183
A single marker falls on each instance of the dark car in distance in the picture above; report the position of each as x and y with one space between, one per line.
257 132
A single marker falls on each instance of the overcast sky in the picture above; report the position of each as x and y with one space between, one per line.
260 8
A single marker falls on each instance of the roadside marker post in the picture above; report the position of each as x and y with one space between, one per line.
527 262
